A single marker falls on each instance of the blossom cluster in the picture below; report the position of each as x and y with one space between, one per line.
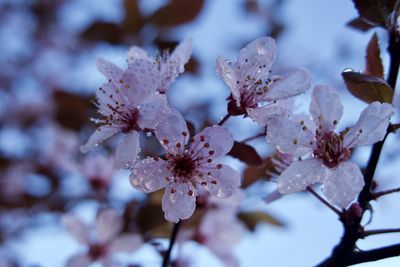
134 100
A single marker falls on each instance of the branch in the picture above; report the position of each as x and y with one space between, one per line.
373 255
224 119
385 192
380 231
323 201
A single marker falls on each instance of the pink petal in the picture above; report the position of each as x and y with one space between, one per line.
227 73
126 243
101 134
109 70
127 151
78 229
143 79
371 126
172 132
301 174
109 94
108 225
179 201
326 108
175 64
223 182
291 84
152 110
150 175
288 136
263 114
215 138
136 53
255 60
78 261
343 184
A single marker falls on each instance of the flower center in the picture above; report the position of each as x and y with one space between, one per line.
96 251
130 121
330 149
182 166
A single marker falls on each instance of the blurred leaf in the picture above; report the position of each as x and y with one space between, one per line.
103 31
177 12
360 24
245 153
254 173
150 216
374 64
374 11
367 88
71 109
252 219
134 20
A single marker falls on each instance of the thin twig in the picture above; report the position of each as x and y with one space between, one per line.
326 203
248 139
224 119
386 192
172 239
380 231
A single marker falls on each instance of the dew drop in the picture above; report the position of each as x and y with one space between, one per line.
149 134
348 70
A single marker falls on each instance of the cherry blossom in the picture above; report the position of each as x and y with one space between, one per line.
99 171
255 91
189 162
323 153
129 102
103 242
168 66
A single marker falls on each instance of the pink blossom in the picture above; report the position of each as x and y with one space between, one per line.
168 66
99 171
102 243
255 91
129 102
189 162
324 153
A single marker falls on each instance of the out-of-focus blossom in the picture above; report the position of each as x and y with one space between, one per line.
99 170
168 66
255 91
330 151
101 243
129 103
189 161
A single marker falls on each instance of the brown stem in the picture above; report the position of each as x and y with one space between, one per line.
323 201
385 192
172 239
224 119
380 231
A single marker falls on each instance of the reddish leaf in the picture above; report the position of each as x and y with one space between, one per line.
254 173
134 20
71 109
252 219
374 11
367 88
103 31
374 64
245 153
360 24
177 12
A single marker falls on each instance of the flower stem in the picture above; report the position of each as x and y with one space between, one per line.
385 192
248 139
172 239
224 119
380 231
323 201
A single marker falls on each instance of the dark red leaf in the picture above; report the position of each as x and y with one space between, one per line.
103 31
245 153
360 24
374 64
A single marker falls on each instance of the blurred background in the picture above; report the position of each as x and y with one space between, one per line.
48 78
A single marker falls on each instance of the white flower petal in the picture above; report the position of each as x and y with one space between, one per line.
108 225
212 142
127 151
291 84
179 201
79 260
150 175
137 53
263 114
371 126
227 73
301 174
343 184
288 136
101 134
222 183
172 132
326 108
109 70
126 243
78 229
152 110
